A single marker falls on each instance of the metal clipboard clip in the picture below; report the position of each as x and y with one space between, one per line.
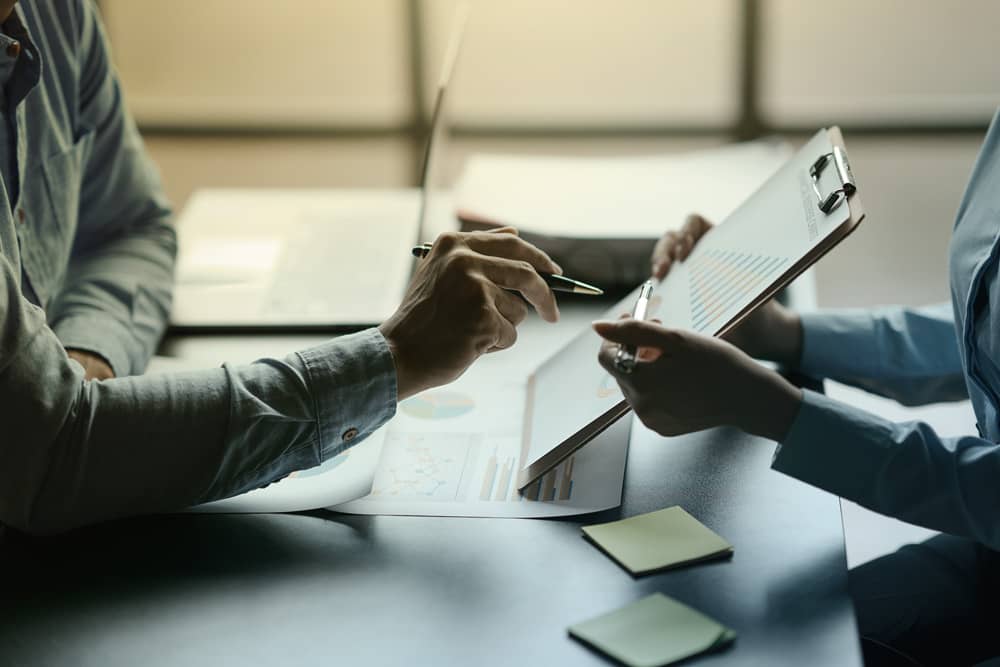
847 187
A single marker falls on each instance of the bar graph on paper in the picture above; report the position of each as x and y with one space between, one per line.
722 282
498 481
456 451
472 474
461 467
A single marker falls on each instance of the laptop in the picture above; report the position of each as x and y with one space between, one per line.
303 259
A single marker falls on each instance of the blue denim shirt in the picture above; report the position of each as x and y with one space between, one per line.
86 261
938 353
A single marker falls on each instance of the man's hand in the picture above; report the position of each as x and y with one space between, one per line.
460 305
771 332
94 367
684 382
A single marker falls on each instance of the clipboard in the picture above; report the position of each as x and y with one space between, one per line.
797 216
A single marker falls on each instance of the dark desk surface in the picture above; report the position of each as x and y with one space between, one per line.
330 589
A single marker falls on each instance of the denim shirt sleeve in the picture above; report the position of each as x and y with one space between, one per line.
908 354
117 291
903 470
74 451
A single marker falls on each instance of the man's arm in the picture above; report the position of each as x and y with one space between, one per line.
74 451
117 290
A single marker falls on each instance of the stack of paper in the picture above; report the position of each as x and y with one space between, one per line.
658 541
652 632
599 217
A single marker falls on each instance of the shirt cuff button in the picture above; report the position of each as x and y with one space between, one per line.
349 434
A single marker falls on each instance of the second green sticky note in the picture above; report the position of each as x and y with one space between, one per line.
652 632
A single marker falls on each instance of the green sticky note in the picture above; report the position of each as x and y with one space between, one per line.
656 541
654 631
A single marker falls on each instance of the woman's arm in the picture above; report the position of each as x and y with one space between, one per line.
909 354
689 382
902 470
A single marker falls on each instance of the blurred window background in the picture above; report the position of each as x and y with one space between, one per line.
336 93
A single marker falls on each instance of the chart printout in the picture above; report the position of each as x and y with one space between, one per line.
455 451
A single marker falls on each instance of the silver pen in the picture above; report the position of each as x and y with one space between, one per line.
625 360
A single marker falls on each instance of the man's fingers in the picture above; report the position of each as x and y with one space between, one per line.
522 277
511 306
506 229
510 246
506 334
639 333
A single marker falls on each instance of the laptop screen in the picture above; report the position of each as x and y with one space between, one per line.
435 199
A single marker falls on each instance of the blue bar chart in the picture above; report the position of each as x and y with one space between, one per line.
722 281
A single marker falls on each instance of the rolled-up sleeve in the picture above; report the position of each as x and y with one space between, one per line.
908 354
74 451
117 291
349 384
903 470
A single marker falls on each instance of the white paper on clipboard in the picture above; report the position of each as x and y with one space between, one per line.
744 257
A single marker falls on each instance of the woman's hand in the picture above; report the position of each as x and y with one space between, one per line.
675 246
685 382
771 332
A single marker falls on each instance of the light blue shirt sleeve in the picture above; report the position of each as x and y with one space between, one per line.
906 470
903 470
117 290
908 354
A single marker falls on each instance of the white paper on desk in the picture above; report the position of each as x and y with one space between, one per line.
455 451
338 480
293 256
614 197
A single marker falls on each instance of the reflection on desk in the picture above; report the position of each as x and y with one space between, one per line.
324 588
382 590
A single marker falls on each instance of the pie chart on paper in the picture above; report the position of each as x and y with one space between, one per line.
438 405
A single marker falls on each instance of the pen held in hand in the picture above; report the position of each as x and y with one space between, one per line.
626 359
555 282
